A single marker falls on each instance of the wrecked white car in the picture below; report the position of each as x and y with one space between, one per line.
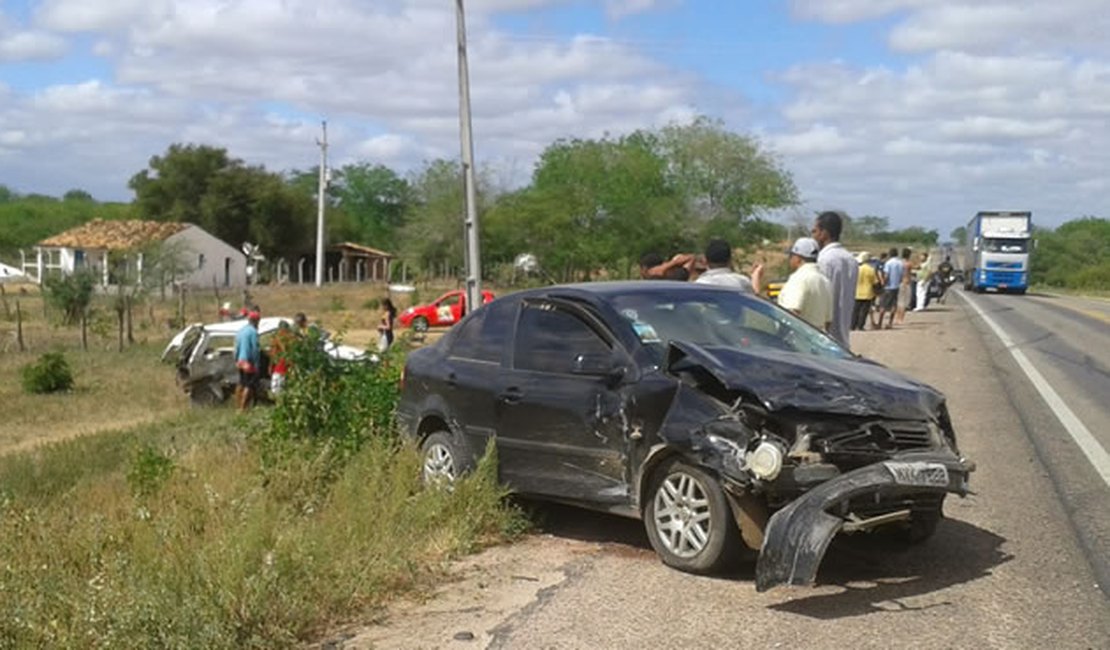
204 356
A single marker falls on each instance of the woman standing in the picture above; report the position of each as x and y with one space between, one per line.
385 327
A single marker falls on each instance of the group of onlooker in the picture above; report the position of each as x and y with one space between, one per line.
893 284
821 288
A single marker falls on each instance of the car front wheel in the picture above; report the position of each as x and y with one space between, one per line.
688 520
420 324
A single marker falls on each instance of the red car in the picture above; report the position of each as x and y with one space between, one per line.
445 311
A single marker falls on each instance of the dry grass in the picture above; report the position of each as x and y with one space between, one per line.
117 390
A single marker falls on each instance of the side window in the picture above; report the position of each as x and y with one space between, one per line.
468 340
550 339
483 337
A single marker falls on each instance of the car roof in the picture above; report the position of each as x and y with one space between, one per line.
608 289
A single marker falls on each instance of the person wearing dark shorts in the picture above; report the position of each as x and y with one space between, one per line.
248 356
892 273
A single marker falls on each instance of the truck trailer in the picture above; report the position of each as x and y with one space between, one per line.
998 252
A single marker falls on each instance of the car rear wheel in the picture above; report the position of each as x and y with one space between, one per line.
420 324
688 520
444 461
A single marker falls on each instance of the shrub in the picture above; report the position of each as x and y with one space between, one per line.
71 294
50 374
149 470
337 304
372 304
330 408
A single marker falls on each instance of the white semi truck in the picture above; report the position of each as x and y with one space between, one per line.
998 251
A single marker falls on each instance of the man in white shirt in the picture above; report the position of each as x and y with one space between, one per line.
807 291
840 267
718 257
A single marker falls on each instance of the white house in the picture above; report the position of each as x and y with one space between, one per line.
193 256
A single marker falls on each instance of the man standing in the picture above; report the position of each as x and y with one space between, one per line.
247 359
905 290
865 291
892 283
718 257
841 269
807 292
924 276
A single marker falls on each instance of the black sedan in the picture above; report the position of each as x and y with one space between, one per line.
717 418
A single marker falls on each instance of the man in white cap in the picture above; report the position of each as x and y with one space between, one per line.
807 291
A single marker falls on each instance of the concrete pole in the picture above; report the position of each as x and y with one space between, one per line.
321 191
473 254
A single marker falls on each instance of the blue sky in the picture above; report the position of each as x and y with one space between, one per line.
923 112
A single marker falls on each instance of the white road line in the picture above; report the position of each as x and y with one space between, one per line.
1072 424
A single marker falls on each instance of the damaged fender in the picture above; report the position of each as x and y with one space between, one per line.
798 535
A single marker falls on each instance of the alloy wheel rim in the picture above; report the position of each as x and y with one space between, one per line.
682 515
439 466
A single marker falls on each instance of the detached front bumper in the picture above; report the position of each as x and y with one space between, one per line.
797 536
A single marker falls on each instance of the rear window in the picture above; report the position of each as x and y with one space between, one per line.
483 336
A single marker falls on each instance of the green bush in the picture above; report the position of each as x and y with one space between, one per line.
50 374
149 470
337 304
331 407
70 294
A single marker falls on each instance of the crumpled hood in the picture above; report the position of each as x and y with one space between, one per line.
789 380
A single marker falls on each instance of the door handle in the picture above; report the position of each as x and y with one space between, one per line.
452 380
511 395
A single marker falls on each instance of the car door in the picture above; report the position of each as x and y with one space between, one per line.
560 422
448 309
473 364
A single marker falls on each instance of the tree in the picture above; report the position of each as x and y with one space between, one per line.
175 184
375 200
959 235
229 199
867 227
724 175
7 195
77 195
433 232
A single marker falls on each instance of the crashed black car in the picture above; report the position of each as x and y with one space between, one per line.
717 418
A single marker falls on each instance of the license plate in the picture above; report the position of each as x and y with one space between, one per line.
918 474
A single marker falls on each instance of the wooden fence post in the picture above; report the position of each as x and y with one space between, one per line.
85 329
19 327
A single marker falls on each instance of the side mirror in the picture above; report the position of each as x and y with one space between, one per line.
975 245
613 366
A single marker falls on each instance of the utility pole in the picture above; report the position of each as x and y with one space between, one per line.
473 255
321 191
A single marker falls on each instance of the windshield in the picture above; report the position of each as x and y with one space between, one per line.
994 245
720 318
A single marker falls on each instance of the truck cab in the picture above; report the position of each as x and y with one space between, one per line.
999 246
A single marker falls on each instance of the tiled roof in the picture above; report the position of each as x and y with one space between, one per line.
114 235
363 249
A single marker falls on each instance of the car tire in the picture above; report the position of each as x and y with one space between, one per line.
688 520
443 460
921 526
420 324
207 395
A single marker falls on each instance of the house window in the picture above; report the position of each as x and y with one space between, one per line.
78 258
227 271
200 261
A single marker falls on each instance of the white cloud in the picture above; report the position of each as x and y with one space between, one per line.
18 44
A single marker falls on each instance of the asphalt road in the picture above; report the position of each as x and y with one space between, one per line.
1015 565
1066 340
